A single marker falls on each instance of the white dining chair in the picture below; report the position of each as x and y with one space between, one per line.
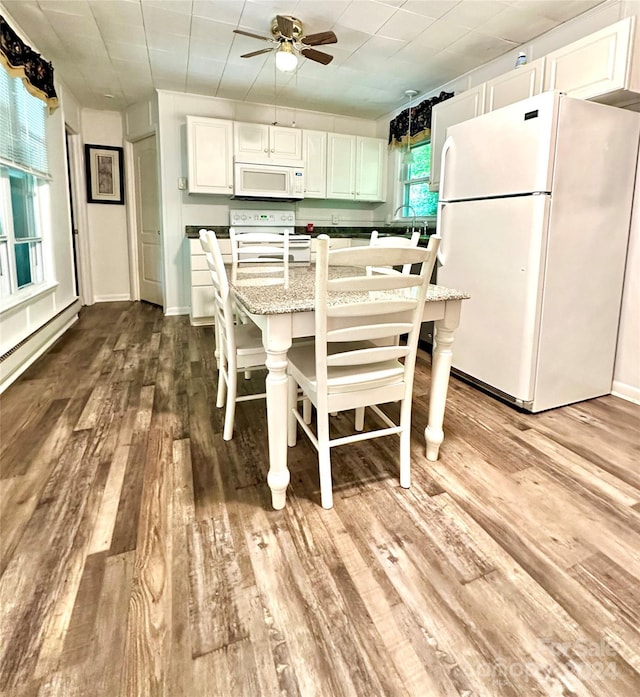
260 252
347 368
239 345
394 241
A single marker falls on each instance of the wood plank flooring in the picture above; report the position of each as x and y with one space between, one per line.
139 554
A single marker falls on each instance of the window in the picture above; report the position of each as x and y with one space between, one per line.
23 177
415 184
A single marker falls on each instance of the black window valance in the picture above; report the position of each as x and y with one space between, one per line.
420 122
22 61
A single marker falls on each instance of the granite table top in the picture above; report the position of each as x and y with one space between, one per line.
272 296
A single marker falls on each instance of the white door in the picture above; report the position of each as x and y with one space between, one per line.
494 250
508 151
148 220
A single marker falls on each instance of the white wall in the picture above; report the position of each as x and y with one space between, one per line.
35 322
179 208
107 223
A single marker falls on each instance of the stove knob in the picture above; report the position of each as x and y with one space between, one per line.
244 217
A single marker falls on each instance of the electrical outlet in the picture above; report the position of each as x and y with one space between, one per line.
334 219
182 183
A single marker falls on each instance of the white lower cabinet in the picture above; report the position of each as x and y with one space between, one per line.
334 243
600 66
201 284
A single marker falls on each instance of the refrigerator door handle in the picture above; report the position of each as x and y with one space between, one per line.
440 254
448 145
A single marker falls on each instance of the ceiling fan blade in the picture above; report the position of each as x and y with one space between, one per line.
253 36
257 53
321 39
285 26
317 56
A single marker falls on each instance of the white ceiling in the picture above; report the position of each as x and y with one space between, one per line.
128 48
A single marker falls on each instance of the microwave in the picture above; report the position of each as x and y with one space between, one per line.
260 180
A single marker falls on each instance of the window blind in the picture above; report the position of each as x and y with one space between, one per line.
23 139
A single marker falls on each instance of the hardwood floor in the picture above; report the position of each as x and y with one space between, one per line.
140 556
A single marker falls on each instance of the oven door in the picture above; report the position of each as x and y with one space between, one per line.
264 181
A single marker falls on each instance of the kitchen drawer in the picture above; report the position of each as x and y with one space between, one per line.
201 278
202 305
199 263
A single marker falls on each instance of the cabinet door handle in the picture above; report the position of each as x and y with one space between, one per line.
273 149
266 150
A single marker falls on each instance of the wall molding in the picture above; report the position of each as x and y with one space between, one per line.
629 392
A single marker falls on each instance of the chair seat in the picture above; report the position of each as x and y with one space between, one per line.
248 338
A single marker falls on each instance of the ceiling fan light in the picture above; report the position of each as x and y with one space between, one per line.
286 59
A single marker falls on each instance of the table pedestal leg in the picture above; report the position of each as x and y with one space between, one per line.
440 370
278 476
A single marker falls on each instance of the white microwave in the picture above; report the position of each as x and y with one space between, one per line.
268 181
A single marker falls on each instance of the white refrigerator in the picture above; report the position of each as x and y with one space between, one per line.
534 215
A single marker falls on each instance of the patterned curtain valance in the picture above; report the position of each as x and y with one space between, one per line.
22 61
420 122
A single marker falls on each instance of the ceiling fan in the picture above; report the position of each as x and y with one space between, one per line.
288 39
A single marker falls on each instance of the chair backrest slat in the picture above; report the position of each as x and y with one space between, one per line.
369 331
362 309
384 282
367 356
394 241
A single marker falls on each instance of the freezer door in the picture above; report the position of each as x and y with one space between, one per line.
506 152
494 250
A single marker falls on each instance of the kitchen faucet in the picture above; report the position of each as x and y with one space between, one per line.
413 214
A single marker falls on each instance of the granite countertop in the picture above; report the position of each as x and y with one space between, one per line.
222 231
268 296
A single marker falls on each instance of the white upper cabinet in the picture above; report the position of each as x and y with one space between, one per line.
371 158
356 167
256 142
462 107
210 155
341 166
314 152
521 83
599 67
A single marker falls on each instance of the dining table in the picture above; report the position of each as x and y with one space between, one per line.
282 306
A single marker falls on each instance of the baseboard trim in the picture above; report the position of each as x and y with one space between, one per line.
16 361
175 311
116 297
629 392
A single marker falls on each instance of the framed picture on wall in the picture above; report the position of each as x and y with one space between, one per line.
105 181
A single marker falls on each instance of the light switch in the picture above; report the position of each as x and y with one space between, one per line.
182 183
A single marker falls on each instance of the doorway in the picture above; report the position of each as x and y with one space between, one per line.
148 238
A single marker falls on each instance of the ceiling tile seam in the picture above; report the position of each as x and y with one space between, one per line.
224 67
186 72
104 43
